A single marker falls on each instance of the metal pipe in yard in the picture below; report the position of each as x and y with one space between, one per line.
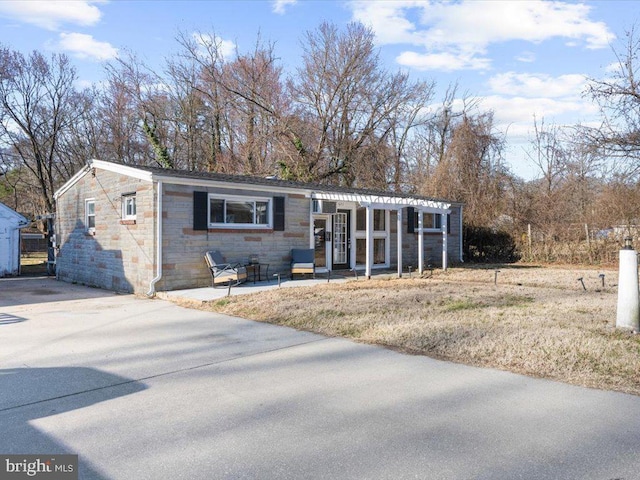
628 313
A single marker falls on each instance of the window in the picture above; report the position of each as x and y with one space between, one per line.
431 221
379 251
129 206
239 212
380 236
379 220
90 214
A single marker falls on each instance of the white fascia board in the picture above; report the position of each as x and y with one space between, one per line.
383 202
108 166
71 182
127 170
198 182
445 208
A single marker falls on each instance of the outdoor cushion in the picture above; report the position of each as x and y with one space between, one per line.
302 261
223 273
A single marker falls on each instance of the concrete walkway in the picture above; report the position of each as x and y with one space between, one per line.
144 389
209 293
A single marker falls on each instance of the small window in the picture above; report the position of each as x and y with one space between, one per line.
431 221
90 214
129 207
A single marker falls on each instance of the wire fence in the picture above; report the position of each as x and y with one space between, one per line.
574 244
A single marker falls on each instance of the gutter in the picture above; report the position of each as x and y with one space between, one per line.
152 285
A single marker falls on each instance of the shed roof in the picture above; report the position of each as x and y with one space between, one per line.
11 216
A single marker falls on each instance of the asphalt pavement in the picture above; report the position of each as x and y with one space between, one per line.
145 389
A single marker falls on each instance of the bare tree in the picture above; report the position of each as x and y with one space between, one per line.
403 121
345 102
37 108
432 138
619 98
146 92
204 51
254 82
472 170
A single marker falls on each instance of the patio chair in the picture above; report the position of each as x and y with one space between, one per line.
303 261
224 274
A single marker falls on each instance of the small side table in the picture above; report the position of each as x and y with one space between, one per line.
256 270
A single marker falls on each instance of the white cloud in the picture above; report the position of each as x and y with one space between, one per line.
518 109
526 57
226 48
470 27
444 61
85 46
613 67
515 115
52 14
537 85
280 6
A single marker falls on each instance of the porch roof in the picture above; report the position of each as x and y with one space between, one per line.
385 202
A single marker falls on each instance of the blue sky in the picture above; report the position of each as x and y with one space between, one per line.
518 58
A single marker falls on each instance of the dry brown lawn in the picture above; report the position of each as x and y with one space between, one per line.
535 321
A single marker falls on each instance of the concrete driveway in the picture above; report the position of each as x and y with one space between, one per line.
144 389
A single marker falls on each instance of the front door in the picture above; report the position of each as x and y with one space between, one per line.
320 241
341 239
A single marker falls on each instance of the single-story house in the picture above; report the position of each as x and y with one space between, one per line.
10 224
144 229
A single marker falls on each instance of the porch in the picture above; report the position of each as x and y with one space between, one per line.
372 232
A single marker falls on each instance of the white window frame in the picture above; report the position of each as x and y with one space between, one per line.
435 225
245 199
126 199
385 234
87 214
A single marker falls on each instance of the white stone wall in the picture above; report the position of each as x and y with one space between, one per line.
184 248
119 255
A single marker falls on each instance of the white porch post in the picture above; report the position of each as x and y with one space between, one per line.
399 240
420 242
461 237
369 241
445 238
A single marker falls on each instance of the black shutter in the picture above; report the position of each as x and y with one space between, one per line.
448 223
278 214
200 210
410 220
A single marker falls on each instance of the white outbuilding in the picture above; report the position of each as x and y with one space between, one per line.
10 224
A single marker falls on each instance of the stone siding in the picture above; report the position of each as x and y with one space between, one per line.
184 247
432 243
118 255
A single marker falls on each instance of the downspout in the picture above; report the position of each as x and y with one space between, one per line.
152 286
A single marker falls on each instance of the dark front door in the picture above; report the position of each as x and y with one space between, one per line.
320 236
341 240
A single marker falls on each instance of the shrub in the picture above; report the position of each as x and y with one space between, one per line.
482 244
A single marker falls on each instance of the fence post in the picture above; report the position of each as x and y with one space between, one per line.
586 230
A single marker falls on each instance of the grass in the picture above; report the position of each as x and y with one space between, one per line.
34 263
538 322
